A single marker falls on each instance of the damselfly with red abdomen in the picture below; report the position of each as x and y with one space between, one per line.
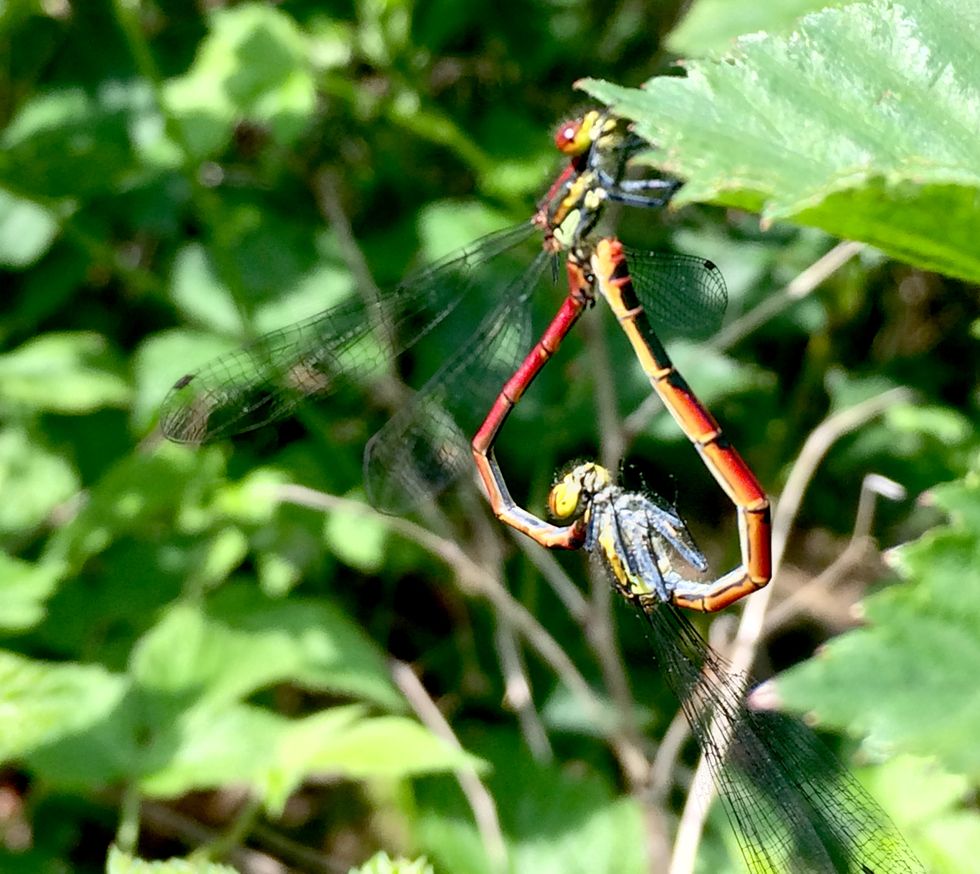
424 445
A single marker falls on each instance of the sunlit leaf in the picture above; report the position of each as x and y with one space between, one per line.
33 479
200 294
554 821
344 742
26 231
139 491
75 142
382 863
389 746
203 747
62 373
122 863
907 680
449 225
862 122
357 539
69 718
709 26
24 587
253 64
245 641
928 805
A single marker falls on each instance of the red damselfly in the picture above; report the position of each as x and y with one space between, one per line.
601 268
425 444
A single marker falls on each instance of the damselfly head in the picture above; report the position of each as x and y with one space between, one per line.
574 137
572 494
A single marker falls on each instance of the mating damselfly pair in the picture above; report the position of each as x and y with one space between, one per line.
457 415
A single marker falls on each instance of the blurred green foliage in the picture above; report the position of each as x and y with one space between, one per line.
180 624
382 863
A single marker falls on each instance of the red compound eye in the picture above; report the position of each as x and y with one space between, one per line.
567 137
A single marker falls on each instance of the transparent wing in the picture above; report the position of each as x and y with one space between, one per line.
664 520
683 295
266 379
792 804
426 444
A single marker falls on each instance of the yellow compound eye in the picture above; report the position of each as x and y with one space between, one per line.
572 495
563 499
574 137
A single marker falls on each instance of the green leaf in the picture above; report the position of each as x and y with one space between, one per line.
199 293
122 863
70 716
445 226
75 143
63 373
944 424
382 863
244 641
709 26
26 231
290 761
282 280
846 390
301 289
357 539
908 679
862 122
927 805
277 573
386 746
24 589
342 741
33 480
554 820
140 491
204 747
253 63
252 500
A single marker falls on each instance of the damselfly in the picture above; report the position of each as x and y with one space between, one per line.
427 442
792 804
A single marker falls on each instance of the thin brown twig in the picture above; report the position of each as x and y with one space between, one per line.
328 200
825 435
612 441
842 567
393 390
518 694
489 553
554 575
665 762
859 548
477 795
164 820
690 828
800 286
